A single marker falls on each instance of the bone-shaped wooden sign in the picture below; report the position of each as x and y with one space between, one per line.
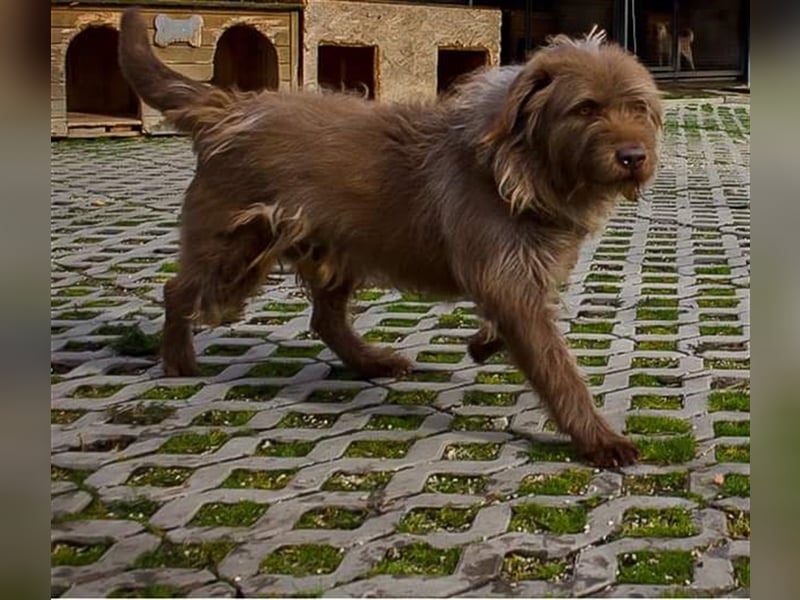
174 31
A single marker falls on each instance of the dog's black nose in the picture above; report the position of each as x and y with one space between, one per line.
631 156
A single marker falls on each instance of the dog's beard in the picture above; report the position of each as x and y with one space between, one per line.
631 190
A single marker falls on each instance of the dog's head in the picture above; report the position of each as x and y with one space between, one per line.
582 118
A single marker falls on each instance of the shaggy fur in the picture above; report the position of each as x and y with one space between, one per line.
486 194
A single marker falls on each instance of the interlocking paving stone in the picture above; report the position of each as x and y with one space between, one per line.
189 485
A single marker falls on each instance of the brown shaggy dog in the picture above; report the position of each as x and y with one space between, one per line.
486 194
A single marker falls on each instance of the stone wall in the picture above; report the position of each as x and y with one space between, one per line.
407 37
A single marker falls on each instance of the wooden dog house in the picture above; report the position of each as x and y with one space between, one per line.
250 44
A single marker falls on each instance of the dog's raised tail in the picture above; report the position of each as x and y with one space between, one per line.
154 82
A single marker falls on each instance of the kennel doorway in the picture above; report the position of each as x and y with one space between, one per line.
245 59
100 103
454 63
347 68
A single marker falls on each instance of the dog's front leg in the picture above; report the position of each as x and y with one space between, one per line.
526 321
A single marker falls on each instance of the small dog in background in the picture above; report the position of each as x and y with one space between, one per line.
685 41
485 194
664 45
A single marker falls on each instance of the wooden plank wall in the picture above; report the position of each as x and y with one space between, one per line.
282 28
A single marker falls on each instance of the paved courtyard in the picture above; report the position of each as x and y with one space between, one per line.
277 473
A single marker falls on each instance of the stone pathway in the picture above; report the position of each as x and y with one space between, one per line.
277 473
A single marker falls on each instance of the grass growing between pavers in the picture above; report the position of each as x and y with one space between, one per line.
95 391
221 514
155 590
658 522
482 398
333 396
139 509
657 484
418 559
395 422
76 555
732 453
252 393
75 476
296 420
729 400
226 350
331 517
738 524
132 341
285 448
430 356
536 518
357 482
552 452
522 567
65 417
477 423
159 476
276 369
734 484
471 451
411 397
572 482
165 392
260 480
732 428
741 571
192 442
378 448
427 376
453 483
302 560
657 402
669 567
648 425
142 414
383 336
667 450
223 418
170 555
449 519
494 378
298 351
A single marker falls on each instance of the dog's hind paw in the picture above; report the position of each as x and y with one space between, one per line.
390 364
612 451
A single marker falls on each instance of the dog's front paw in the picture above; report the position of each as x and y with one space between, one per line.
612 451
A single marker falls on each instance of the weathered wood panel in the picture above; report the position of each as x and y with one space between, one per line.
66 22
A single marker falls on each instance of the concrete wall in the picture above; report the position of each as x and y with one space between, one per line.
281 28
407 37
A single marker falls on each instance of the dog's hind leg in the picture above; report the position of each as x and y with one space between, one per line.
330 320
485 343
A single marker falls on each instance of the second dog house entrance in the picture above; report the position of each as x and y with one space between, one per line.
245 59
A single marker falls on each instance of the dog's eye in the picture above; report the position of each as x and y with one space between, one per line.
587 109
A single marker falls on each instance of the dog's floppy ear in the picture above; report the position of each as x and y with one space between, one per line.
525 86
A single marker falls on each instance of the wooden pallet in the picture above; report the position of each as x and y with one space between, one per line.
86 125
